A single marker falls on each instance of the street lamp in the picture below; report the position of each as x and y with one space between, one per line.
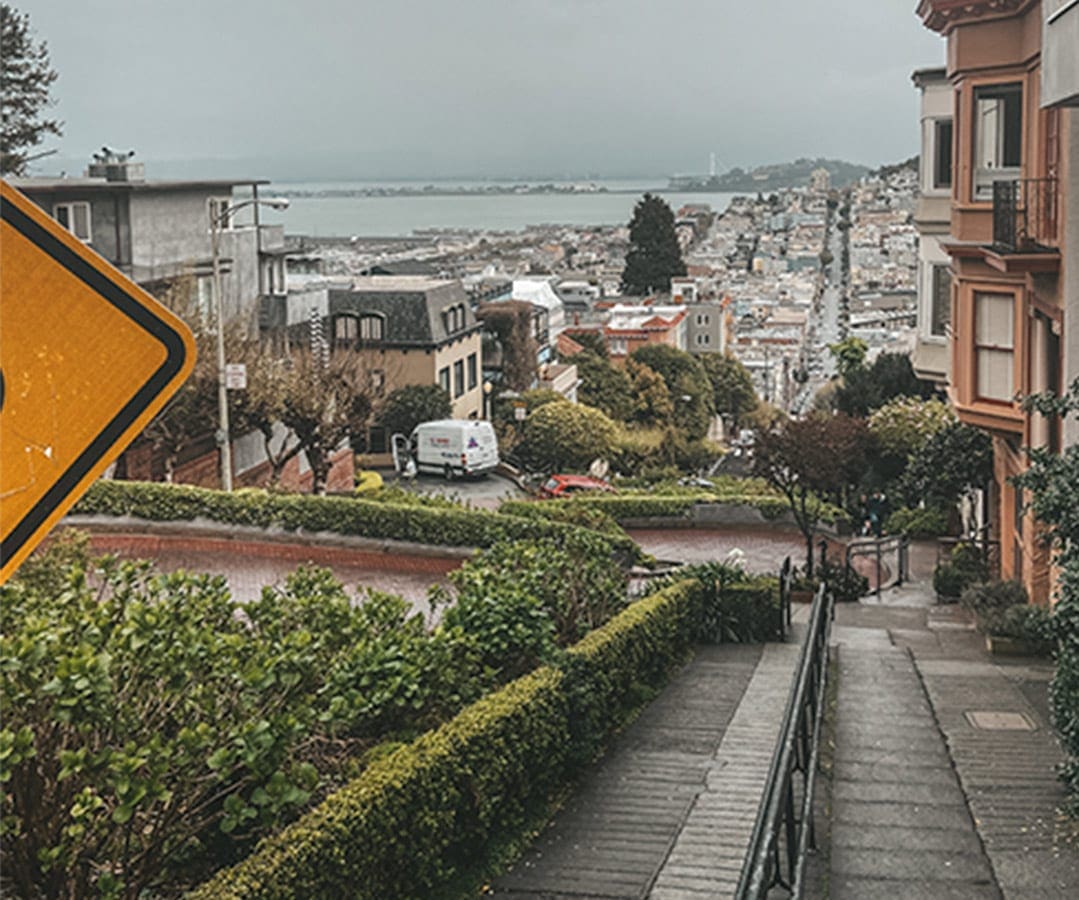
217 216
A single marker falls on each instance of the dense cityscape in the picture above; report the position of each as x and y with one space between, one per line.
713 536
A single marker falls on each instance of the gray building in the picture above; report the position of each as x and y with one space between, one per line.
157 232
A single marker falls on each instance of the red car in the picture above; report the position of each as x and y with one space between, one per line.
567 485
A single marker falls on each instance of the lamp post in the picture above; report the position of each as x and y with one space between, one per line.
487 387
217 216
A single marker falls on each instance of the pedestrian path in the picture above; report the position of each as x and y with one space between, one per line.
706 859
900 823
613 836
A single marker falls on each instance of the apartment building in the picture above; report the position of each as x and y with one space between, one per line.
158 232
932 218
1013 240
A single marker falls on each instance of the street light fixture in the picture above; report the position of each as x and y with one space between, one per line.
217 216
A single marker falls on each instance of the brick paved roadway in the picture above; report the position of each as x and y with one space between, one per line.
764 548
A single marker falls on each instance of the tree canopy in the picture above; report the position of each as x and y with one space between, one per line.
687 382
566 437
604 385
732 386
25 78
866 388
811 459
654 255
407 406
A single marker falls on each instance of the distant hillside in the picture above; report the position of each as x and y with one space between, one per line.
895 168
771 177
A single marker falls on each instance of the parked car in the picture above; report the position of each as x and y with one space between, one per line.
567 485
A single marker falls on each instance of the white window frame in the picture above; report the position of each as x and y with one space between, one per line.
69 212
372 327
990 350
216 207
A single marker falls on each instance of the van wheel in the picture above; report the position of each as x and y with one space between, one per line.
448 472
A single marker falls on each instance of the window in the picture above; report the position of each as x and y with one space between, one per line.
703 318
703 339
458 378
998 136
472 377
444 378
994 345
617 346
942 153
378 382
204 298
371 328
453 317
75 217
220 213
344 332
940 300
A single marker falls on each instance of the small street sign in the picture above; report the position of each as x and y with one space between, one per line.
520 413
236 376
87 358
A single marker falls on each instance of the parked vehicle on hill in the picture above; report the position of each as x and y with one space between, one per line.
567 485
454 447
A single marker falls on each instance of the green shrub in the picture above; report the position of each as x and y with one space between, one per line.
580 514
424 820
1032 624
422 522
843 581
427 815
925 522
1064 688
965 566
990 602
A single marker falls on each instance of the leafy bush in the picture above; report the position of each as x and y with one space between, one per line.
844 582
566 437
579 514
1032 624
404 518
424 820
990 601
923 522
966 566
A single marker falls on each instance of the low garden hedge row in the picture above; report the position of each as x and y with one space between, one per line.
643 506
340 515
425 820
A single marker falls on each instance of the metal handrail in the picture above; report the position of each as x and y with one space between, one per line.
786 583
877 547
783 833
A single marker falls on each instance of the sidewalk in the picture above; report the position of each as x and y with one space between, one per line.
953 750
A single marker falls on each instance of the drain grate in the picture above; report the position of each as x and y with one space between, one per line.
994 720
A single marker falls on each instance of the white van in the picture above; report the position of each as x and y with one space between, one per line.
455 447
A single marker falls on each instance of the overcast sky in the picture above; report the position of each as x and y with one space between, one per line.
430 88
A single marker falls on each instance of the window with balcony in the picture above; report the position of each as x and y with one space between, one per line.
75 217
994 346
998 136
940 300
942 154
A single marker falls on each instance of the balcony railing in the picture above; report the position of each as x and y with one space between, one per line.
1025 215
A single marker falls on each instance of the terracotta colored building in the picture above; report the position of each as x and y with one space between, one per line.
1013 240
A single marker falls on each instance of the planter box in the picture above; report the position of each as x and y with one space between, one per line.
999 645
802 596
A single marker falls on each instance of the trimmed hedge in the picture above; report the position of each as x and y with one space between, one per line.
341 515
644 506
427 814
425 820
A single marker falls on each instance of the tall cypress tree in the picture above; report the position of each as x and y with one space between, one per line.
25 78
654 256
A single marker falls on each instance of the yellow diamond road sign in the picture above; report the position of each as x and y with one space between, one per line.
87 358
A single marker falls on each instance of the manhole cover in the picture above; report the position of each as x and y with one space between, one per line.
991 720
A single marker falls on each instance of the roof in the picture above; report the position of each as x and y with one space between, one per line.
63 185
412 307
567 346
537 292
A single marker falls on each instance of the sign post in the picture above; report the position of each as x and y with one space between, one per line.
87 359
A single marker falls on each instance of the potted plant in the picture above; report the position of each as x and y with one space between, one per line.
1010 624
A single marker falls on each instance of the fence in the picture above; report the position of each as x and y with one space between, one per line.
783 833
890 557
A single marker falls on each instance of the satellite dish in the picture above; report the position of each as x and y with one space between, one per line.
599 468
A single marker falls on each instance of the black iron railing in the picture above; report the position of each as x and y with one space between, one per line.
988 549
786 581
890 557
1024 215
783 834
